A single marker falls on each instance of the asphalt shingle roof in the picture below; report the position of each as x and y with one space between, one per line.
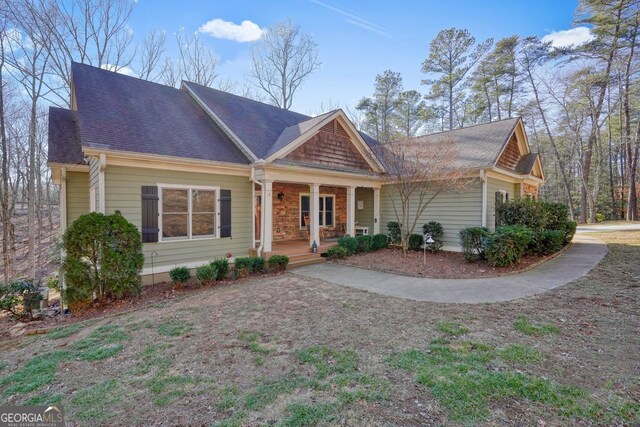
124 113
478 145
64 143
257 124
525 165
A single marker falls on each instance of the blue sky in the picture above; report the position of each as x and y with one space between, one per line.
356 39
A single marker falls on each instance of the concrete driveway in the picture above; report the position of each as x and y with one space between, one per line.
583 255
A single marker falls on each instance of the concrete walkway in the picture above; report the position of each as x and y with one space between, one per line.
595 228
585 253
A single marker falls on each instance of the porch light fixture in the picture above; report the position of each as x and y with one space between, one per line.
281 196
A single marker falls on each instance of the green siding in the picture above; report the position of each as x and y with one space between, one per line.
94 174
364 217
455 210
123 193
77 195
494 185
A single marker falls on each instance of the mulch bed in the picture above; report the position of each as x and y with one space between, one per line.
441 265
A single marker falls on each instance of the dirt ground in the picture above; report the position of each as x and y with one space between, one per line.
47 258
442 265
286 350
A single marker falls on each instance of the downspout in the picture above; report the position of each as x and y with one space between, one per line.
483 179
255 181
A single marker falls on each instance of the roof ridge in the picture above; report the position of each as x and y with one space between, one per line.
469 127
73 63
244 98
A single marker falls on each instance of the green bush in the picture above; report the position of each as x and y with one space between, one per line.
437 234
20 298
206 274
522 211
507 245
349 243
380 241
547 242
394 232
278 262
415 242
556 215
599 217
249 265
365 243
336 252
222 268
472 242
569 231
179 275
103 258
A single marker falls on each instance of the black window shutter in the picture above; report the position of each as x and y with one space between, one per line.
150 228
225 213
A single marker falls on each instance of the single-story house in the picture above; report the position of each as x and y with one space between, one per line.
206 174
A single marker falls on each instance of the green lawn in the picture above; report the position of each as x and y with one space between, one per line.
289 351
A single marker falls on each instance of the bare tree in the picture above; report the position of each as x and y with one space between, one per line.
28 55
282 61
150 54
419 170
5 194
197 63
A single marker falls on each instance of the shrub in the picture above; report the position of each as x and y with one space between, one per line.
179 275
394 232
104 258
248 265
222 268
380 241
569 231
336 252
415 242
365 243
437 234
599 217
206 274
507 245
278 262
472 242
547 242
522 211
349 243
20 298
556 215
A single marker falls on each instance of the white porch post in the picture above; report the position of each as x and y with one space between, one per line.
483 218
314 214
267 209
351 211
376 210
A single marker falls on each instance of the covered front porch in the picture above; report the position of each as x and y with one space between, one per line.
289 215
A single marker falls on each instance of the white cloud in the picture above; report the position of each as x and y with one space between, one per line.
565 38
247 31
127 71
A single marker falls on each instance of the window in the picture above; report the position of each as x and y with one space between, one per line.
326 207
188 213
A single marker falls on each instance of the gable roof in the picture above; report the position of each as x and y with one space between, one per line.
64 143
291 133
526 163
478 146
123 113
256 124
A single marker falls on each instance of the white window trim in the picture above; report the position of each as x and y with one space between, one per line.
189 237
333 196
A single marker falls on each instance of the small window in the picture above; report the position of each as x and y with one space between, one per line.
188 213
325 208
